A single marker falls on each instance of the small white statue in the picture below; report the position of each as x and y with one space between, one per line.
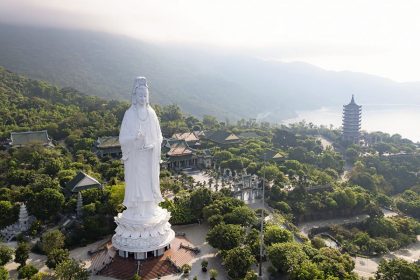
140 139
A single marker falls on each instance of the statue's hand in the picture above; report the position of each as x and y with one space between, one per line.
139 143
148 147
140 136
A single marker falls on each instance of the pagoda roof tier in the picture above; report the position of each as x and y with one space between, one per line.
352 102
351 119
347 111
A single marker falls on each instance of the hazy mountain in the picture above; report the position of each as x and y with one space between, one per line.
201 82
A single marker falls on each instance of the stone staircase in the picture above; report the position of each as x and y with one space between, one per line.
120 268
101 259
169 263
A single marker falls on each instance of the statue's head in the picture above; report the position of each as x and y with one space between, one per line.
140 94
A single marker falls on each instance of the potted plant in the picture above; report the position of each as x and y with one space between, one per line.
186 268
204 265
213 274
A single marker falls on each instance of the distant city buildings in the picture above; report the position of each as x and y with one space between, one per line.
352 116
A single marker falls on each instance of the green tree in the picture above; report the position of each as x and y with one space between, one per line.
241 216
51 240
27 271
226 236
210 122
6 254
307 270
71 270
284 138
397 269
200 198
47 203
41 276
286 257
250 275
270 172
238 261
222 156
351 154
275 234
57 256
318 242
4 274
171 113
213 274
22 253
333 263
7 216
221 206
186 268
215 220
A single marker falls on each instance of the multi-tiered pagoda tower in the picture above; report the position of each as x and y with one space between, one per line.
352 117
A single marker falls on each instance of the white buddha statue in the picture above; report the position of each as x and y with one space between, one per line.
143 228
140 139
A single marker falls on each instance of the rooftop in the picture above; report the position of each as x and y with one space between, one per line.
248 135
187 136
82 181
108 142
352 103
30 138
179 149
272 155
222 137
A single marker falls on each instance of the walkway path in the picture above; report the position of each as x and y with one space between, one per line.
306 227
366 267
325 143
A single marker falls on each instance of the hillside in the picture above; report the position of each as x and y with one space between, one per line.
201 82
36 105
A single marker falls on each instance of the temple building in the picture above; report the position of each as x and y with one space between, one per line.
222 138
352 116
108 146
189 137
179 155
27 138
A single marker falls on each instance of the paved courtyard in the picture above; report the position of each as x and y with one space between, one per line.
196 234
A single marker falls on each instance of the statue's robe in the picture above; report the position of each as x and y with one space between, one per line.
141 167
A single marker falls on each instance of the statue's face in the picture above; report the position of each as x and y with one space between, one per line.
140 95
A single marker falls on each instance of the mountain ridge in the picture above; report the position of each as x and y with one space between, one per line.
226 85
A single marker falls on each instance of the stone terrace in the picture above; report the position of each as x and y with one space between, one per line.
122 268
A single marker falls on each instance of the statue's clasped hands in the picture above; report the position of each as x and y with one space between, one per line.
140 140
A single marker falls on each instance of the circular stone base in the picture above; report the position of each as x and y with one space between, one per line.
144 234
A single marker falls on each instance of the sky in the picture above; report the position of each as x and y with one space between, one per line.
378 37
